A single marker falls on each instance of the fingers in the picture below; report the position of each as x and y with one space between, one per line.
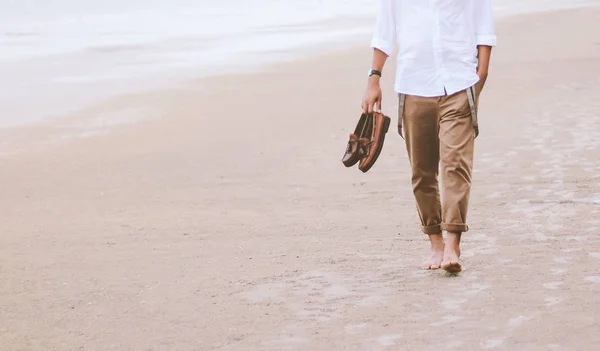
375 106
370 105
364 106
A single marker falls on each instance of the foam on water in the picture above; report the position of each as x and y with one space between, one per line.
55 52
43 27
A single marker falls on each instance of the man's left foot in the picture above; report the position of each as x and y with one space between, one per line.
451 261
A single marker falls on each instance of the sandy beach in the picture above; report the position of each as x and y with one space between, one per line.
217 215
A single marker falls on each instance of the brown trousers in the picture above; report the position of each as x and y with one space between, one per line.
440 134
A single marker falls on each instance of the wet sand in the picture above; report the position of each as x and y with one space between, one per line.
226 221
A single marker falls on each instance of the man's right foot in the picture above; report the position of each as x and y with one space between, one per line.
437 252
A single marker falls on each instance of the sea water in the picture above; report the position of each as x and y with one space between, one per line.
58 55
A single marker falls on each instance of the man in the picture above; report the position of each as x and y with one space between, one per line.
444 49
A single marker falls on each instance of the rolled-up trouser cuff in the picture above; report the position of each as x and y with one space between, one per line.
432 229
455 228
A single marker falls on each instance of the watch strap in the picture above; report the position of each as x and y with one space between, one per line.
374 72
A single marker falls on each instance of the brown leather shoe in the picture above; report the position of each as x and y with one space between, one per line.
357 143
376 135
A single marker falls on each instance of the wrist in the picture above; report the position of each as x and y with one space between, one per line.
375 72
374 79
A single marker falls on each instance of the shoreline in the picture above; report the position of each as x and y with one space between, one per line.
118 81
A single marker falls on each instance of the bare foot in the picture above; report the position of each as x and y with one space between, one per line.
437 252
451 262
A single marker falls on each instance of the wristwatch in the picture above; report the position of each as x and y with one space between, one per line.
374 72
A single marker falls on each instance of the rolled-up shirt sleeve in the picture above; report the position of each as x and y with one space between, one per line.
485 30
384 38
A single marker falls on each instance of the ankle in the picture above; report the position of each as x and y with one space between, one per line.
453 241
437 241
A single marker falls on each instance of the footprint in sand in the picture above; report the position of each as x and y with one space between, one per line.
518 321
552 285
556 227
526 188
453 304
563 260
454 344
558 271
476 289
528 178
511 226
593 279
492 344
494 195
544 193
420 274
445 320
388 340
370 301
337 291
269 291
540 236
551 301
467 254
487 251
487 247
354 328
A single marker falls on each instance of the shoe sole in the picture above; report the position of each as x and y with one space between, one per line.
386 127
351 162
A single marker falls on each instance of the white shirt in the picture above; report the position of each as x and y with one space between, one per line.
437 42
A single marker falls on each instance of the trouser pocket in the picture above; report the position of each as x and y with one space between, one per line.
472 97
401 101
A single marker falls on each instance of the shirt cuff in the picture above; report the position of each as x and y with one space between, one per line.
383 45
488 40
